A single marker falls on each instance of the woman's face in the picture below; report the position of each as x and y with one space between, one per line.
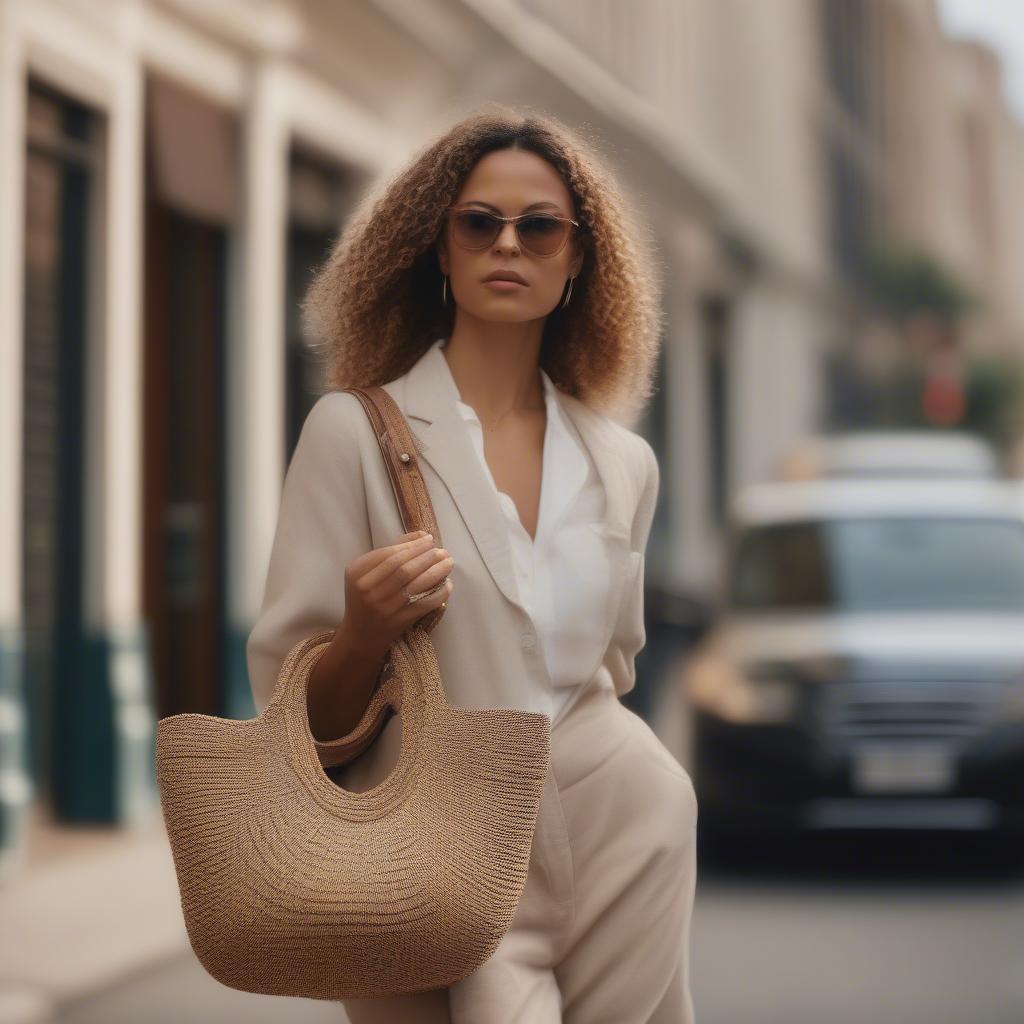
509 182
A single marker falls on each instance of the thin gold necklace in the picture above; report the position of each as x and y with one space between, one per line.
495 423
543 405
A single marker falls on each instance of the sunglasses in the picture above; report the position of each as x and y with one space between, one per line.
543 234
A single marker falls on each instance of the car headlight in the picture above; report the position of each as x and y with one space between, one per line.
1013 705
716 685
1011 699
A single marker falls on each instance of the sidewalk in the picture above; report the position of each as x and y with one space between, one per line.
90 907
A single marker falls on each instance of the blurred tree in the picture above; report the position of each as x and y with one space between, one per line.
995 398
902 282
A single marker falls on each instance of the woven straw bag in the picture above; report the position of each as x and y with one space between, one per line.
291 885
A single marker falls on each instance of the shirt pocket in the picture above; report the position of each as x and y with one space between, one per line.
627 632
629 626
631 612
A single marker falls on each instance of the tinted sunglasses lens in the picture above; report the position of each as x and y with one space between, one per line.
474 230
543 235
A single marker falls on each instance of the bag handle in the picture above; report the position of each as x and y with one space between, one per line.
399 447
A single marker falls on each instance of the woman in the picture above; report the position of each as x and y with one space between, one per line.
495 289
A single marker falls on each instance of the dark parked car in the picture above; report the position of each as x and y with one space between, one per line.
867 666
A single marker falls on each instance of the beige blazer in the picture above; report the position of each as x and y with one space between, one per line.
337 503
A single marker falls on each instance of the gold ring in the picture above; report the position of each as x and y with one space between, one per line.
412 598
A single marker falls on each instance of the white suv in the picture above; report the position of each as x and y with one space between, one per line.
894 453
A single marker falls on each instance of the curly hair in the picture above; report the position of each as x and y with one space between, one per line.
374 305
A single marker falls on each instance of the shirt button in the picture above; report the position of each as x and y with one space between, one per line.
529 641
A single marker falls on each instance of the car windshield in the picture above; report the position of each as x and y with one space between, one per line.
911 564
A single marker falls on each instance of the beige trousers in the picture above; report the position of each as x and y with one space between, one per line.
601 934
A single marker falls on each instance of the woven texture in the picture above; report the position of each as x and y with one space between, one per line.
292 885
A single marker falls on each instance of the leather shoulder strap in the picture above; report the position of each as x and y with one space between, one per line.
398 446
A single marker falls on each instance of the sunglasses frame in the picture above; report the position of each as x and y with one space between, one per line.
453 210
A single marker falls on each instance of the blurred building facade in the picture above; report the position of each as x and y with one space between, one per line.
951 157
172 170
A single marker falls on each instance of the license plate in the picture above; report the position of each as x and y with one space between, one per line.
906 767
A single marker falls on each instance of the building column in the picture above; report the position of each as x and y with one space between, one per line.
100 754
110 775
15 784
256 389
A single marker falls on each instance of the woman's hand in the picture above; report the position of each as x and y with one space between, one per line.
377 588
377 613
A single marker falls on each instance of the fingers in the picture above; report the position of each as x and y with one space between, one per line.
375 556
422 573
417 573
367 567
410 569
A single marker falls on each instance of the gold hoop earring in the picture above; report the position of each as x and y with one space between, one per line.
565 301
444 289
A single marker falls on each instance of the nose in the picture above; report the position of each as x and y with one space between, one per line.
507 238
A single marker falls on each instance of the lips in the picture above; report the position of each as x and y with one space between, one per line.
505 275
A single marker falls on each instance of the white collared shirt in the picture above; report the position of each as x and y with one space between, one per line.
563 575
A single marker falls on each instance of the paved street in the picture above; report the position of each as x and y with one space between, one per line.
183 992
776 938
861 930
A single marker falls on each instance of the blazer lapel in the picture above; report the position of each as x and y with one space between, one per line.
606 450
427 397
621 496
